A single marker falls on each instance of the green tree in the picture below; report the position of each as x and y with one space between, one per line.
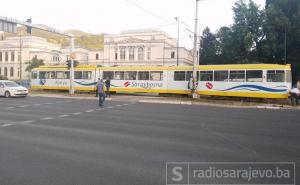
34 63
208 47
247 30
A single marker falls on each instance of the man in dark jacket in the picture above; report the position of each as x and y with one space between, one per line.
107 85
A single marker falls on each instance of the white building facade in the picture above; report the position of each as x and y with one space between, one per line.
16 52
143 48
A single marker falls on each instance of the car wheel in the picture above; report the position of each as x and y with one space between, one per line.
7 94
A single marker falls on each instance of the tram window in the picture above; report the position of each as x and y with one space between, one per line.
50 75
67 75
206 76
42 75
188 75
34 75
288 76
87 75
221 76
275 76
237 76
130 75
254 76
78 75
179 76
119 75
143 75
60 75
108 75
156 75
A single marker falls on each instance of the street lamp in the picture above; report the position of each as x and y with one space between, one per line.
195 57
177 19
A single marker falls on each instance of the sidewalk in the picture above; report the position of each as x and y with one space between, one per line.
170 100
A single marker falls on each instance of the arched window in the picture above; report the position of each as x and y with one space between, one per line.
11 72
149 54
5 71
97 56
172 54
0 70
141 53
131 53
116 54
122 53
0 56
12 56
6 56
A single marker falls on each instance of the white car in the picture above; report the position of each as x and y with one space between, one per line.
12 89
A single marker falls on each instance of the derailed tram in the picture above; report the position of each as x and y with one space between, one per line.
241 80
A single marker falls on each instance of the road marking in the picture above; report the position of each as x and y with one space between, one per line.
28 121
22 106
125 104
37 104
77 113
10 107
109 107
100 109
118 105
49 103
91 110
6 125
47 118
63 116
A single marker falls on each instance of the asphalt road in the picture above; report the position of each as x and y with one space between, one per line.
51 141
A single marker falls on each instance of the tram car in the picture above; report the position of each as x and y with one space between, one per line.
239 80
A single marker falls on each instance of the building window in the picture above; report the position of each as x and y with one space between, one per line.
6 56
12 56
5 71
149 54
116 54
0 56
131 53
123 53
141 53
97 56
172 54
11 72
0 70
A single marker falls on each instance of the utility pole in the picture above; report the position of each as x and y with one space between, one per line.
72 57
21 50
285 44
177 19
195 56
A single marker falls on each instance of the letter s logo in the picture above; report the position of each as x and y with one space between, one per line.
177 172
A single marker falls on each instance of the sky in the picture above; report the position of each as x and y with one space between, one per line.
114 16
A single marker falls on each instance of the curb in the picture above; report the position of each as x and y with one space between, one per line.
174 102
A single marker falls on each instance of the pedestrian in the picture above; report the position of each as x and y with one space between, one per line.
101 92
298 84
295 93
107 85
97 87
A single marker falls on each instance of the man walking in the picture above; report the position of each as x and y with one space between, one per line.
101 94
295 93
107 85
